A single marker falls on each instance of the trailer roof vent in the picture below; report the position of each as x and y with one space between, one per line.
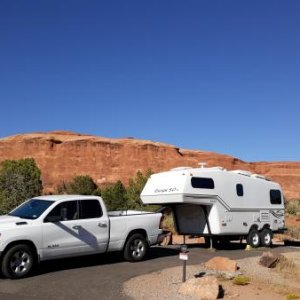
259 176
242 172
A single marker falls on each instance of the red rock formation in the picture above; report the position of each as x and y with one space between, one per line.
62 155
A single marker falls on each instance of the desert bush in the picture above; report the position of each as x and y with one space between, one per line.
114 196
134 190
241 280
292 296
19 181
81 185
293 207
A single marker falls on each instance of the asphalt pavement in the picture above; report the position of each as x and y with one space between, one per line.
101 276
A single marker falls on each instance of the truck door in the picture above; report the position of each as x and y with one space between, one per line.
73 228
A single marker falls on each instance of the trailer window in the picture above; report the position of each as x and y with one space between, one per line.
239 190
275 196
202 183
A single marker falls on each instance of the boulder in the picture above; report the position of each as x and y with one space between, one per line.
203 288
269 259
221 264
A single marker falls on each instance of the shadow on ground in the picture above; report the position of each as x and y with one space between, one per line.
229 246
292 243
96 260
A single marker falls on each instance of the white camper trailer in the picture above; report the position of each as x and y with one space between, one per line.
217 203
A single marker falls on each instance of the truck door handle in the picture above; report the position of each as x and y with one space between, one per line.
76 227
102 225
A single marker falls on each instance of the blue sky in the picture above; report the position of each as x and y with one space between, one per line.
211 75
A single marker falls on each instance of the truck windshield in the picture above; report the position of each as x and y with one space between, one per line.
31 209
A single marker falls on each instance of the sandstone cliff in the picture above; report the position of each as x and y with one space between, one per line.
62 155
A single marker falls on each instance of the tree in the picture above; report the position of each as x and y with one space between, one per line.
80 185
114 196
19 180
135 188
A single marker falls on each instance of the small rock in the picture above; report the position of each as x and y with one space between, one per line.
204 288
269 259
221 264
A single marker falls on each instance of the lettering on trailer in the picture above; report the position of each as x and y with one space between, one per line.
167 190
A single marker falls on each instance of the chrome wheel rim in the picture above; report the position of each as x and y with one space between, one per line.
137 248
20 262
267 239
255 239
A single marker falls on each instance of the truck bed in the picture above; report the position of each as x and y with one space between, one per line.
118 213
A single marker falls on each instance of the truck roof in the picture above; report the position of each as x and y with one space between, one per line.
64 197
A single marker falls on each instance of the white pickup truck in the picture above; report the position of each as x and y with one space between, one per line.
49 227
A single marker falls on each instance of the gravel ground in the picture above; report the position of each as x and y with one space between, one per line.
165 284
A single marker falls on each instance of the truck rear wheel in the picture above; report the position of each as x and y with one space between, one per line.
18 261
253 238
136 247
266 236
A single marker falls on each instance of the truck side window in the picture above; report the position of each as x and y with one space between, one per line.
90 209
64 211
202 183
275 196
239 190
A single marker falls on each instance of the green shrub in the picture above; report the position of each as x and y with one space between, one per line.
134 190
19 181
114 196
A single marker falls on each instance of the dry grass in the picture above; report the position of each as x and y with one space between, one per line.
286 264
292 296
294 232
168 223
241 280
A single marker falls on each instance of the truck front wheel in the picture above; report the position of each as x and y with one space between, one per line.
17 261
136 247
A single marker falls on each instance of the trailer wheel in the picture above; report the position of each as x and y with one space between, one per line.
266 236
136 247
18 261
253 238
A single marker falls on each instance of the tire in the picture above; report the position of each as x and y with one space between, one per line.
18 261
253 238
266 236
136 247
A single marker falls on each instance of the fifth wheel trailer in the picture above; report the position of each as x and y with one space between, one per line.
221 204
